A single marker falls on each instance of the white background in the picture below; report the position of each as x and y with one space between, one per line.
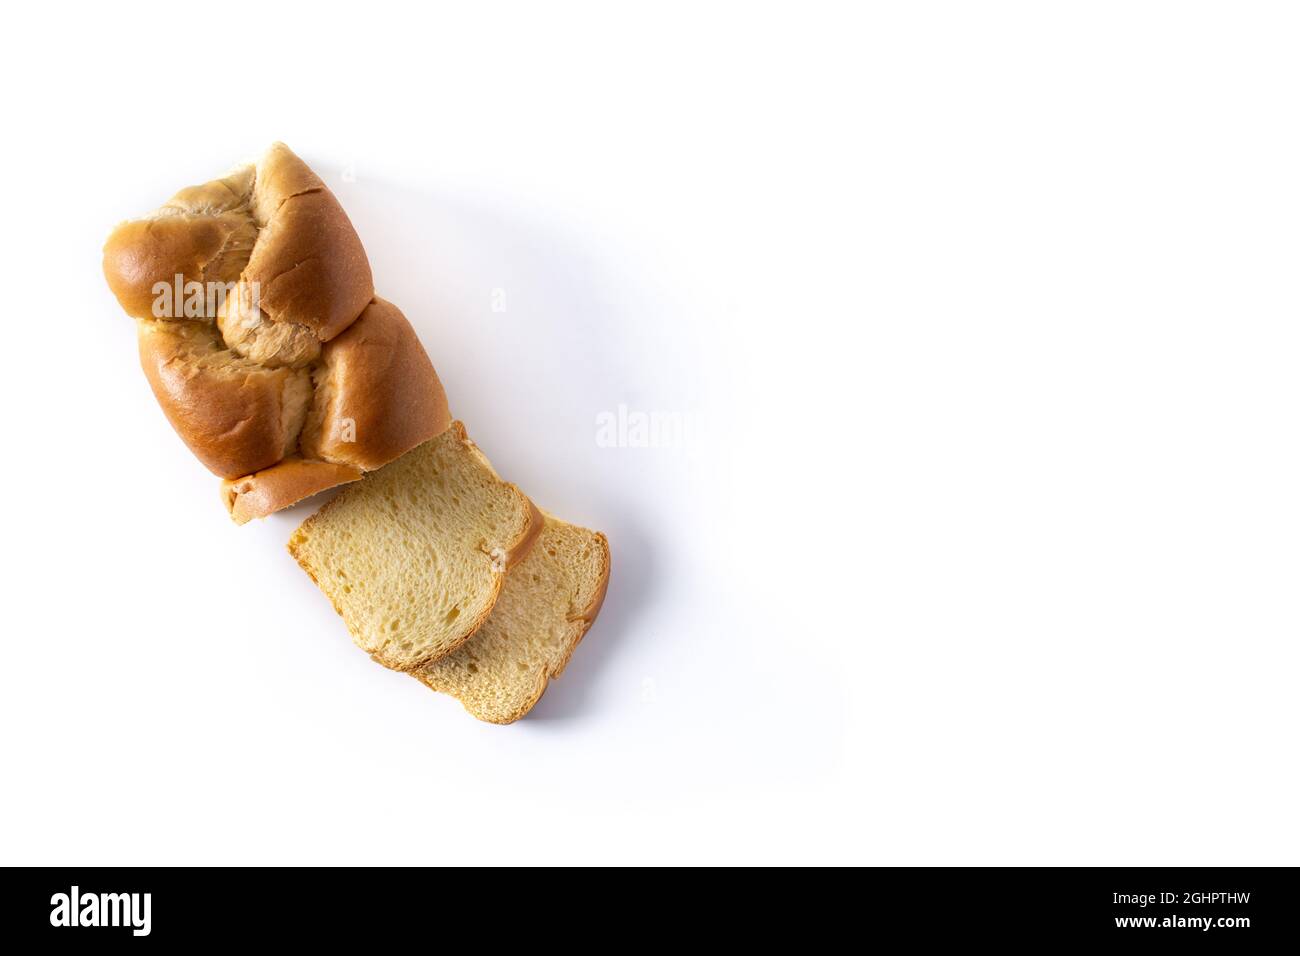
986 549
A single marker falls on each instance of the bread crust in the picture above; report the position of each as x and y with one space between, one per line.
313 372
305 256
237 418
377 394
141 253
536 522
282 485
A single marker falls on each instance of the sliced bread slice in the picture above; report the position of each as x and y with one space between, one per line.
413 556
548 603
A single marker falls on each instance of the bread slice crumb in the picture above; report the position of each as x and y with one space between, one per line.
412 555
549 602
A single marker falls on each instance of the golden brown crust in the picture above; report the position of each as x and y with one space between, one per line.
534 531
142 253
282 485
275 224
377 394
308 262
237 418
292 358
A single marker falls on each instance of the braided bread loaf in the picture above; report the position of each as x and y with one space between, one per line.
263 340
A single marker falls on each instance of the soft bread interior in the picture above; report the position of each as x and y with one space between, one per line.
548 603
413 556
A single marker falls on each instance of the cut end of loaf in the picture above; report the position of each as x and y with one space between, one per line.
282 485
